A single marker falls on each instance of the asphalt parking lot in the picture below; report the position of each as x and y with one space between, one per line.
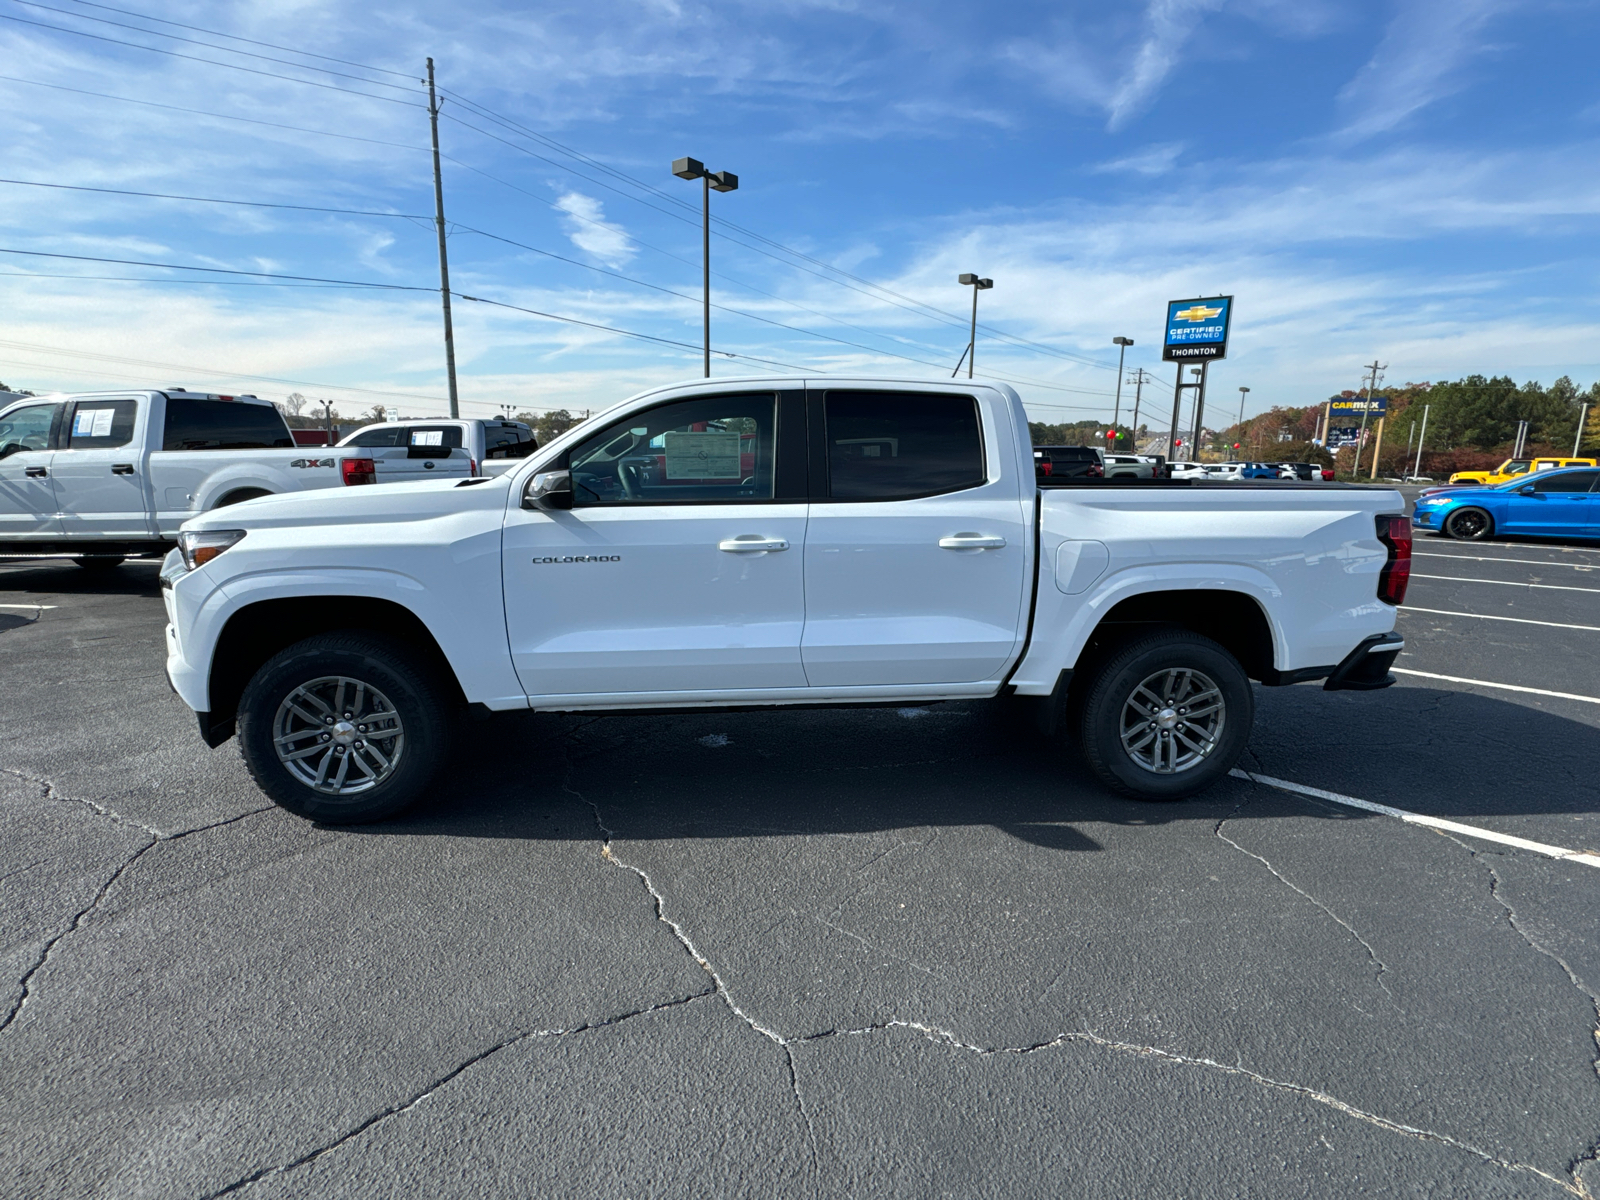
891 952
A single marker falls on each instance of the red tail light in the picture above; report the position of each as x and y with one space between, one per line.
358 470
472 468
1094 473
1327 475
1045 466
1395 533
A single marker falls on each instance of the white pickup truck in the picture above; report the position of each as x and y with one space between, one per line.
774 542
105 476
447 447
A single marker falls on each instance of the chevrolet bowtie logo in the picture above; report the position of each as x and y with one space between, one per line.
1196 314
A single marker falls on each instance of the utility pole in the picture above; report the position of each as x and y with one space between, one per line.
1417 469
444 261
1122 344
1372 391
1583 413
1139 378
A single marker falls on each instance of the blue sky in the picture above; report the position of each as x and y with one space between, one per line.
1414 180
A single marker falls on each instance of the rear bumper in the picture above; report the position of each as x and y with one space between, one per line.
1366 668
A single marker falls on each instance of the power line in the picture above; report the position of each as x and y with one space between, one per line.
209 45
211 62
949 318
200 112
233 37
353 212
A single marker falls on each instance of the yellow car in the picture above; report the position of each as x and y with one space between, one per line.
1512 467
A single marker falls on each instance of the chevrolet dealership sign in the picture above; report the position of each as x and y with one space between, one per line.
1197 329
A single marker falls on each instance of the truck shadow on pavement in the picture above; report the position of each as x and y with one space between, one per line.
58 577
797 773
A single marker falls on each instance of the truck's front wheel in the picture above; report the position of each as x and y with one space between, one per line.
1166 716
344 728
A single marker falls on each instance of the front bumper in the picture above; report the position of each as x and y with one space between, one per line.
1366 668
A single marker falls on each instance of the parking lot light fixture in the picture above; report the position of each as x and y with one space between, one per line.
721 181
977 285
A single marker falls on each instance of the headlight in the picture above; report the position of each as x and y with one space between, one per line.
200 547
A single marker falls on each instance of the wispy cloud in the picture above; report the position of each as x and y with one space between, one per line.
1418 61
587 228
1168 24
1151 161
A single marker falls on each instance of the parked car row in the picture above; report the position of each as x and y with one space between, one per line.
1089 462
105 476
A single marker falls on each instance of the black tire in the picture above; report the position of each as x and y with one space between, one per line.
1469 525
102 563
411 695
1111 688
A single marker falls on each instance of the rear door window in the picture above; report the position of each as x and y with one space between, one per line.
100 424
193 424
901 445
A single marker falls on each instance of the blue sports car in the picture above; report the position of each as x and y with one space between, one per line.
1548 504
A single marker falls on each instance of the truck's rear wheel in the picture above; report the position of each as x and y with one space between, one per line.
344 728
1166 716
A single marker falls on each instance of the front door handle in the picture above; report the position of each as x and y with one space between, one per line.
122 468
34 472
971 541
747 543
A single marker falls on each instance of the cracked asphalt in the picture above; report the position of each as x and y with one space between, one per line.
890 952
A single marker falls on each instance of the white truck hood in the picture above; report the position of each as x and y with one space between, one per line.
365 505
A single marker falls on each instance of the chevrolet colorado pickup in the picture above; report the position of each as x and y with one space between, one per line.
774 542
105 476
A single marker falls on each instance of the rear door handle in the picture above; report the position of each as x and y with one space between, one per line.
971 541
122 468
747 543
34 472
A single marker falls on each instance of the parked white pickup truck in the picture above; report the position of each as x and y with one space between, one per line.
105 476
448 447
774 542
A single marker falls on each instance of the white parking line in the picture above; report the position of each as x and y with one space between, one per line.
27 605
1588 857
1506 687
1486 617
1549 587
1526 562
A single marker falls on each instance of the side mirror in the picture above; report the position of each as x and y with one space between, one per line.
550 490
1525 490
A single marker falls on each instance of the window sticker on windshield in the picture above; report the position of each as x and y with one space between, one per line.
92 422
702 455
428 437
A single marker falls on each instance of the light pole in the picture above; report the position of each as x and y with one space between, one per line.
1243 392
723 181
1122 344
977 285
1199 407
